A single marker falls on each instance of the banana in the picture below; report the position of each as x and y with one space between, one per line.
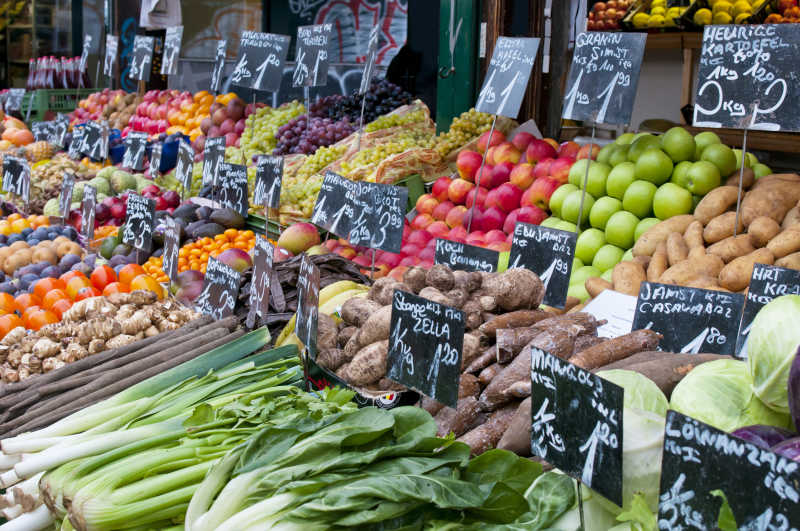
334 304
336 288
335 295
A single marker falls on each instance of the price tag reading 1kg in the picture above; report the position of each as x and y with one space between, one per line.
142 59
139 218
65 197
220 290
507 77
172 243
425 343
766 283
747 78
576 423
133 158
333 211
463 257
601 86
110 59
311 60
87 212
155 159
233 184
697 461
213 155
307 305
260 285
548 253
269 177
378 216
219 65
184 166
172 50
691 320
259 64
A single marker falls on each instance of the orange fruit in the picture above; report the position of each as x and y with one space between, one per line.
75 284
148 283
87 293
129 272
102 276
115 287
45 285
26 300
7 302
53 296
70 275
26 315
40 318
9 322
61 306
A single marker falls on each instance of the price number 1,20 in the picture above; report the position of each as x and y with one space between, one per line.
574 94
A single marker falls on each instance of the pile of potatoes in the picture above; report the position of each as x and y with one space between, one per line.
20 254
707 250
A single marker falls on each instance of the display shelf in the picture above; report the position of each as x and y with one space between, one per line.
760 140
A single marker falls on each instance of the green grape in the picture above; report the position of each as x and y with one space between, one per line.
262 126
463 129
393 120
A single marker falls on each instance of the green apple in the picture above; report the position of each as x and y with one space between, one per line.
671 200
579 292
589 241
577 173
580 275
720 156
551 222
571 207
618 180
620 229
643 225
702 141
607 275
654 165
678 143
602 210
642 144
619 156
638 198
607 257
558 197
624 139
703 177
679 173
566 226
752 159
738 153
595 180
628 254
761 170
605 153
577 263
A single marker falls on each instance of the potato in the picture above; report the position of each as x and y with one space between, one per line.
771 196
704 282
658 263
721 227
596 285
44 254
736 275
693 235
762 230
790 261
690 269
627 277
715 202
677 251
748 177
647 242
732 247
792 217
786 242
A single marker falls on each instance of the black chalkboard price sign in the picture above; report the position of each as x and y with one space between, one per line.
260 286
65 197
601 86
87 212
110 58
172 50
219 65
464 257
548 253
747 78
41 131
14 98
308 305
425 343
698 459
691 320
220 290
59 130
269 177
17 178
183 168
139 218
311 59
76 144
172 243
372 54
333 211
576 423
507 77
379 211
95 140
766 283
233 184
259 64
213 156
87 46
155 159
135 144
142 59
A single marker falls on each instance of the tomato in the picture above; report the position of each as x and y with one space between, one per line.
60 306
8 323
129 272
41 318
116 287
148 283
43 286
66 277
102 276
52 297
75 284
26 300
87 293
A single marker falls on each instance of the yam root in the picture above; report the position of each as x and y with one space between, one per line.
487 375
510 341
487 435
762 230
616 349
481 362
736 275
331 358
381 291
585 341
441 278
326 332
414 278
468 385
517 319
557 341
430 405
517 437
356 311
344 335
368 365
471 348
375 328
519 389
716 202
457 420
627 277
515 289
433 294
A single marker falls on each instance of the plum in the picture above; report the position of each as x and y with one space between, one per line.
69 260
51 271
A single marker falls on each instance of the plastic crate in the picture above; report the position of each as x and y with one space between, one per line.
55 100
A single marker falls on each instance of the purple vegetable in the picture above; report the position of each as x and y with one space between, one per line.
793 388
790 449
762 435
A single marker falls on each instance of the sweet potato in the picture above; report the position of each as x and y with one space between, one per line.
344 335
693 235
517 319
468 385
677 250
487 375
771 196
356 311
791 261
647 242
515 289
791 218
716 202
721 227
658 263
736 275
616 349
596 285
708 265
732 247
517 437
762 230
368 365
327 332
747 176
458 419
627 277
786 242
487 435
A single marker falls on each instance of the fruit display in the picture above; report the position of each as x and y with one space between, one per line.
382 97
261 128
115 106
659 15
781 12
300 136
225 116
606 16
14 133
46 177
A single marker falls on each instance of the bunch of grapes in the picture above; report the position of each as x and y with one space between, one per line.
387 121
376 154
319 109
300 189
463 129
262 126
296 137
382 98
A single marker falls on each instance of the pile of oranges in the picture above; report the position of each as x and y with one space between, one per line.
15 223
194 256
50 297
187 118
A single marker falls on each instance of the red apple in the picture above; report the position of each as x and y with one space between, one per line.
490 155
531 214
409 249
542 168
507 198
441 210
541 190
456 216
421 221
419 238
409 261
458 190
478 192
522 139
495 235
484 142
522 176
559 169
588 151
506 152
493 219
500 247
426 203
498 175
476 238
511 221
438 229
427 254
468 162
458 233
539 150
568 149
440 187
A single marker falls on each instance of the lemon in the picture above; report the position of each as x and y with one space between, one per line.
712 2
674 12
658 11
742 18
721 18
723 6
702 17
657 21
742 6
658 3
641 20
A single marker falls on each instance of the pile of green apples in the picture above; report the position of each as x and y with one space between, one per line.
635 182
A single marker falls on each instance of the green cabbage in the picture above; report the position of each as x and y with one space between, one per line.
720 393
771 347
640 391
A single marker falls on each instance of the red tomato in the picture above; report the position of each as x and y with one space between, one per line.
102 276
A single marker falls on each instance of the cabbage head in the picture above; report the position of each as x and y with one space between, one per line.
720 393
771 347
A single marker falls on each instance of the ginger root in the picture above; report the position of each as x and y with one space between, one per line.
136 323
46 348
120 341
96 345
14 336
51 364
